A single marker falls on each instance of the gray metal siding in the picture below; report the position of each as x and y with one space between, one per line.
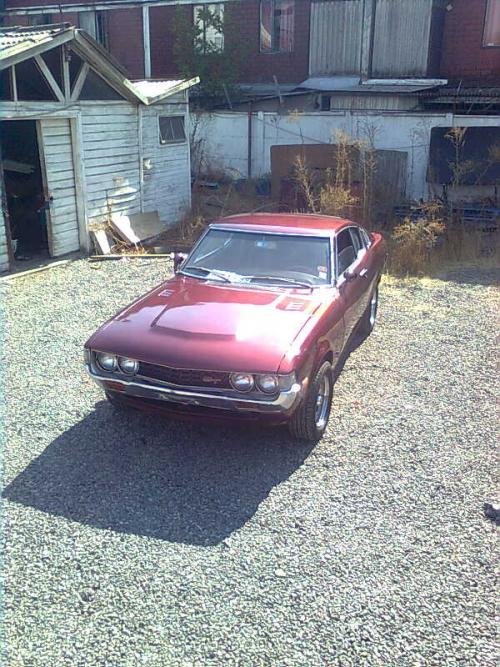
401 38
336 37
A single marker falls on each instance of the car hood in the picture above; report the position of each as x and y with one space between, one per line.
190 323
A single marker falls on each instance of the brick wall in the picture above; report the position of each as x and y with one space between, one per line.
256 67
161 21
463 55
125 41
126 44
260 67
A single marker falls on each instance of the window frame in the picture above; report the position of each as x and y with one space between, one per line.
274 49
484 45
169 142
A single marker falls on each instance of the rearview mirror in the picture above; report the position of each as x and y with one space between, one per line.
178 258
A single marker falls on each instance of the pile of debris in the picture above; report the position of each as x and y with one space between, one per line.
128 235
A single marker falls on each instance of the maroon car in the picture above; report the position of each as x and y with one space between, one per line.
252 324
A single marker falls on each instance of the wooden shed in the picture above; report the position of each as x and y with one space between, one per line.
80 142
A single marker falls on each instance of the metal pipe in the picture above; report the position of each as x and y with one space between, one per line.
249 133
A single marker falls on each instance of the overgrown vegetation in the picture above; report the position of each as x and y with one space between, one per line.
432 237
209 47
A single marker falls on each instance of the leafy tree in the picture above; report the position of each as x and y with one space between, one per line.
199 51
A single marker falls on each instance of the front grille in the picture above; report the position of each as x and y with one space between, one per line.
184 377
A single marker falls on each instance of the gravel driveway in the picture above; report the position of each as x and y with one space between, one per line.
139 541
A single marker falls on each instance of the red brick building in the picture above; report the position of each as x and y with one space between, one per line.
471 42
463 35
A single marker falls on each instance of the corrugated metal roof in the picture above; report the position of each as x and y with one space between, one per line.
344 84
15 40
150 88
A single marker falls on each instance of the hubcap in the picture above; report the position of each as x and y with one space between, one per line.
373 308
322 401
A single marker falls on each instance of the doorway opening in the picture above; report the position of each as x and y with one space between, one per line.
27 206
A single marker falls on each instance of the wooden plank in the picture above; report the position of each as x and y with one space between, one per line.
49 78
66 77
80 80
13 83
29 272
101 241
79 162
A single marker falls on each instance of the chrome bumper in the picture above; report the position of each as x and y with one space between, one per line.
283 404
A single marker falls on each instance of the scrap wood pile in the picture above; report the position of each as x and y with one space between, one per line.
133 235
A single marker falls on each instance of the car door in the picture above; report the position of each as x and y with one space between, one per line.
351 266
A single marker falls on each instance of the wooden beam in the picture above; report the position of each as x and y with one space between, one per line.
79 171
80 80
66 78
13 83
49 78
16 56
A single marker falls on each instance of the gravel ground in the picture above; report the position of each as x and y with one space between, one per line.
139 541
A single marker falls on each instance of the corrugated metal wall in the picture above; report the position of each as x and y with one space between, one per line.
336 34
341 29
401 38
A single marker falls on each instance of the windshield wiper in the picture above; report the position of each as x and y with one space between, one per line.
278 279
206 271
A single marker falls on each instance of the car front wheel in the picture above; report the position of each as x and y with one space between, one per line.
310 420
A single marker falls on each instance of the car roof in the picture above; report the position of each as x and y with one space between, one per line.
291 223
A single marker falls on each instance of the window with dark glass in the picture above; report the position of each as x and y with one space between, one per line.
277 19
491 36
171 129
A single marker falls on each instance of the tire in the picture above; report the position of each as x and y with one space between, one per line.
367 322
310 420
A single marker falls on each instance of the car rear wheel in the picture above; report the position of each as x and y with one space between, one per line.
310 420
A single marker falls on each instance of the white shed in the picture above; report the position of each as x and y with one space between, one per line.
80 142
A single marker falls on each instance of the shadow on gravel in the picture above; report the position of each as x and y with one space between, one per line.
176 481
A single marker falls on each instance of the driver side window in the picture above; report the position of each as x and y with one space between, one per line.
346 252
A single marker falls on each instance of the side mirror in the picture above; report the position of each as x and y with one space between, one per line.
349 275
178 258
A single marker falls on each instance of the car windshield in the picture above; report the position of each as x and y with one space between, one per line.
256 257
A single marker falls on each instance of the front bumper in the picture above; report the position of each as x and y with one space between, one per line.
282 405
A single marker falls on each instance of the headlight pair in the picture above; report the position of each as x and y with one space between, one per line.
110 362
266 382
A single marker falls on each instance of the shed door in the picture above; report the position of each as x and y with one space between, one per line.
4 255
56 156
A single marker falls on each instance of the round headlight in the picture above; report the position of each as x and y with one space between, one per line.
106 361
242 381
268 383
128 366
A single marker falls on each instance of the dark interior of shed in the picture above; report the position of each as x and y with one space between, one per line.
26 205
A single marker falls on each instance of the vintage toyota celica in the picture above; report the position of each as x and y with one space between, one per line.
252 325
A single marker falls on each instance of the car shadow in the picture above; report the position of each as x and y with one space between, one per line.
179 481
